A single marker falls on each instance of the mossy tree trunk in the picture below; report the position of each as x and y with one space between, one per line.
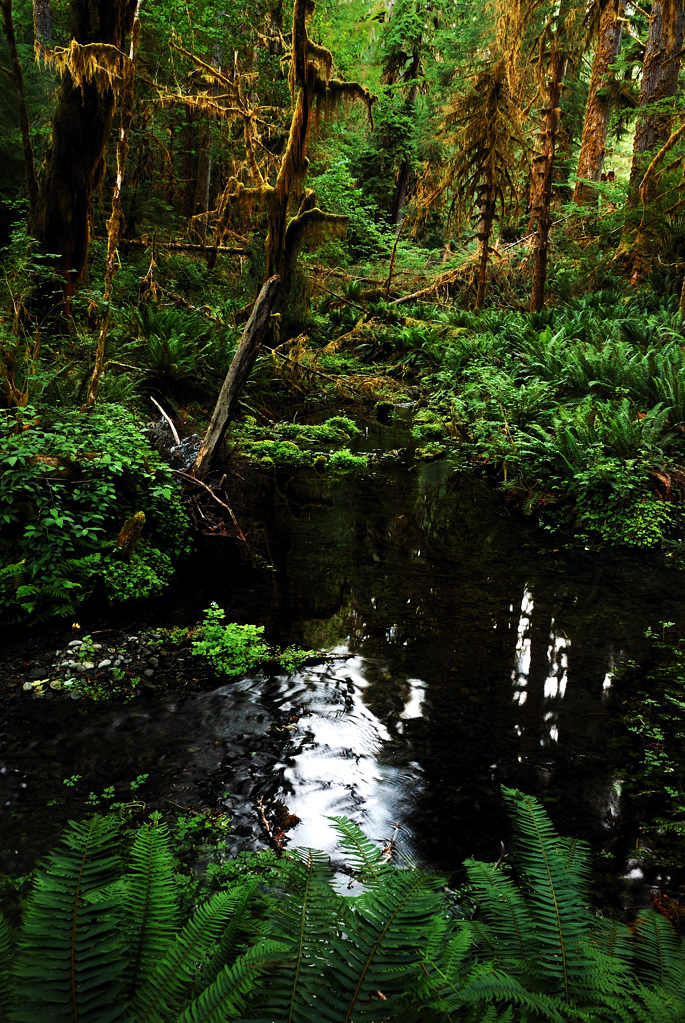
660 72
81 126
22 113
598 106
487 205
542 177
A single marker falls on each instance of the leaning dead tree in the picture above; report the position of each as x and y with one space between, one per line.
241 366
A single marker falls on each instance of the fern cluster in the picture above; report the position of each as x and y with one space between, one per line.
103 940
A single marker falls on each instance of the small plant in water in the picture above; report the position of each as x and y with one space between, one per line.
233 650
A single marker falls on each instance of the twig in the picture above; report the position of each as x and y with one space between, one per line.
194 479
174 431
271 838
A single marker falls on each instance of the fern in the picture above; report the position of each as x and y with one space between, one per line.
658 952
70 961
301 952
161 996
303 918
560 914
362 855
150 900
5 968
226 998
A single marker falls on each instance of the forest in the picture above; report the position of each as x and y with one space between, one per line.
342 511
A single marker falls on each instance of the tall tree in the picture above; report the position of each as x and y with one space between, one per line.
291 210
557 44
660 70
483 137
598 107
18 79
658 91
92 70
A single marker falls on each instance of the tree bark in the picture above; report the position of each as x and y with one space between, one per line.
487 216
240 368
75 160
114 224
660 70
598 107
541 180
42 25
18 79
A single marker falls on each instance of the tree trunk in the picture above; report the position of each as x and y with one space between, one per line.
487 216
404 173
598 107
75 160
42 25
660 70
18 79
115 222
240 368
541 181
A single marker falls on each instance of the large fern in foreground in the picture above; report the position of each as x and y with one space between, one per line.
104 940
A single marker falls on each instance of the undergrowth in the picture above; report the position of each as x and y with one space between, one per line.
87 509
106 935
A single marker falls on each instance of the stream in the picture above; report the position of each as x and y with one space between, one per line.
464 651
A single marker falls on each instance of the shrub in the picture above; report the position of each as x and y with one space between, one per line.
69 481
234 650
231 649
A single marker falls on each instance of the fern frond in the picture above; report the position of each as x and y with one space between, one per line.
487 985
150 901
161 996
6 956
377 963
364 857
504 908
226 998
70 961
559 912
303 919
659 952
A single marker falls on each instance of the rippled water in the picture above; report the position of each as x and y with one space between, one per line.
465 652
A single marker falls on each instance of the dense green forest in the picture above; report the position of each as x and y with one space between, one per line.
342 498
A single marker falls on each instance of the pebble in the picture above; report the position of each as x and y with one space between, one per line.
149 673
74 643
87 666
153 662
105 664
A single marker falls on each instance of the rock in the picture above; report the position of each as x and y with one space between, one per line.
153 662
105 664
87 666
74 643
149 673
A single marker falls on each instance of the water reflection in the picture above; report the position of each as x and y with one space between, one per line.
479 658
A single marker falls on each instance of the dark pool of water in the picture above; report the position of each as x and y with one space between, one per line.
466 653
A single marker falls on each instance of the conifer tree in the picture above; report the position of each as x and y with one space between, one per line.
609 18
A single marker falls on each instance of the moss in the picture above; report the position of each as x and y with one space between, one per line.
430 452
344 461
428 426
